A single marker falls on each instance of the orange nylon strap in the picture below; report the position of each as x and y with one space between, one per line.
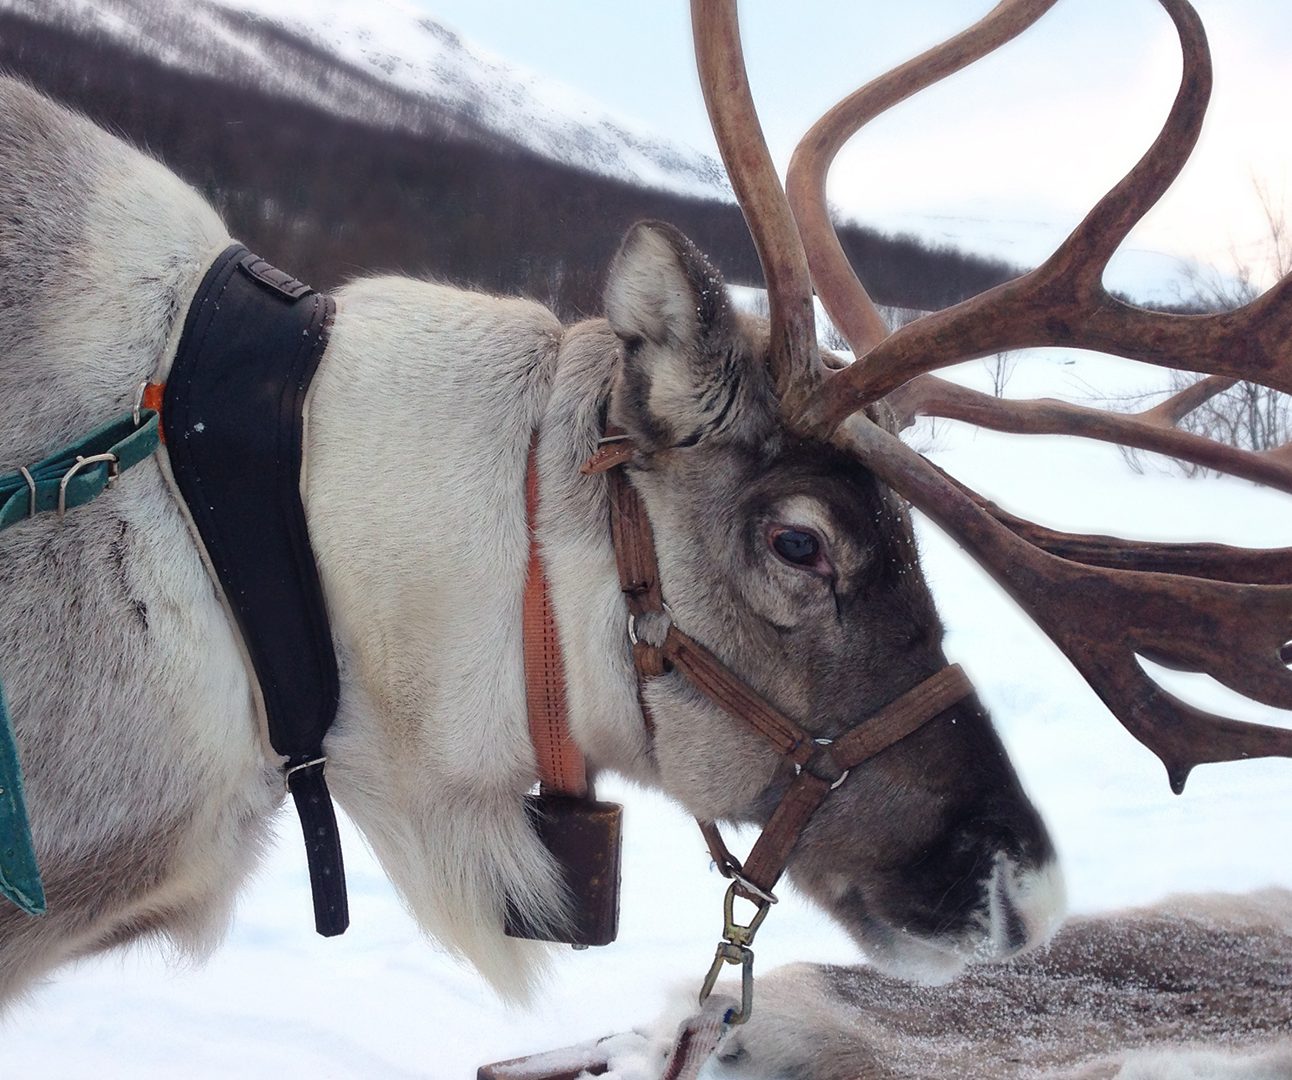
561 768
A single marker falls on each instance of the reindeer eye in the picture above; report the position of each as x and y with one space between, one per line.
797 546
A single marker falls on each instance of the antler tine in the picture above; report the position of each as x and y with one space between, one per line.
1153 430
1104 618
721 64
842 294
1217 562
1063 302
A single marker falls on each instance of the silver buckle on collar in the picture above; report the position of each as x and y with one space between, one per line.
114 471
287 773
31 488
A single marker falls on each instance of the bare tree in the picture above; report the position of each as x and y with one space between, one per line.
1001 368
1246 415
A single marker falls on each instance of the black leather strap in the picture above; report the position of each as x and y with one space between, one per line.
233 418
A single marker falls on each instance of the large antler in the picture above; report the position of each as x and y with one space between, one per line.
1104 601
795 361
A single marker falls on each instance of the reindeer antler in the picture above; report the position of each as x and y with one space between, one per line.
1104 601
795 361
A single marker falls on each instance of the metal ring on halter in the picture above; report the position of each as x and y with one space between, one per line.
31 487
632 622
750 887
798 769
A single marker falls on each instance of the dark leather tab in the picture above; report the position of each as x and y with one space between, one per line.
322 847
585 838
269 275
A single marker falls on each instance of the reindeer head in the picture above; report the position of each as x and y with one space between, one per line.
777 492
788 558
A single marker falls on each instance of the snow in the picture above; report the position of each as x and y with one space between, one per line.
276 1001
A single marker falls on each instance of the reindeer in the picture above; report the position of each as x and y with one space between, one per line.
149 787
1105 601
778 680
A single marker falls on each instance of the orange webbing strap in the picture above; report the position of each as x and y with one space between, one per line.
561 768
150 397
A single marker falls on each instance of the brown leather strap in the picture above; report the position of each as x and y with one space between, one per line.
821 764
634 547
710 676
907 714
771 852
721 855
561 768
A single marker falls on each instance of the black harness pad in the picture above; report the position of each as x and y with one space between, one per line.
233 419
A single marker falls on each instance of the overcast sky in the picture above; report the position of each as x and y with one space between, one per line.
1035 133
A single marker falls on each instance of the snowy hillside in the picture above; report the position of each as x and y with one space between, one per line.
277 1002
386 63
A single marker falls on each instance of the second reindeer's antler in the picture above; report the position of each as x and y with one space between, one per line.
1106 602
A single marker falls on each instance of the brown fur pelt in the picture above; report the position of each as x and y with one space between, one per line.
1196 987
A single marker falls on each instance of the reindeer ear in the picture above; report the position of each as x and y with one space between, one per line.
685 362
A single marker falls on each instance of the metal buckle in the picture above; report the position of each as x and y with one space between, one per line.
114 471
31 487
287 773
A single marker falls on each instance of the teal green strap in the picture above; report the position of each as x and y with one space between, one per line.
80 472
67 479
19 874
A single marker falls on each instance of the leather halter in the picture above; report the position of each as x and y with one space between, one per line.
820 765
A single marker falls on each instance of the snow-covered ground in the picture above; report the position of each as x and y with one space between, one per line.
277 1002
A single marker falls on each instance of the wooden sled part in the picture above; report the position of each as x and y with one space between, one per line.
564 1064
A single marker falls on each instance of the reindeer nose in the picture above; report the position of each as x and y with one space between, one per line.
1025 904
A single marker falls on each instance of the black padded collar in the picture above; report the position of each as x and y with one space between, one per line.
233 422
